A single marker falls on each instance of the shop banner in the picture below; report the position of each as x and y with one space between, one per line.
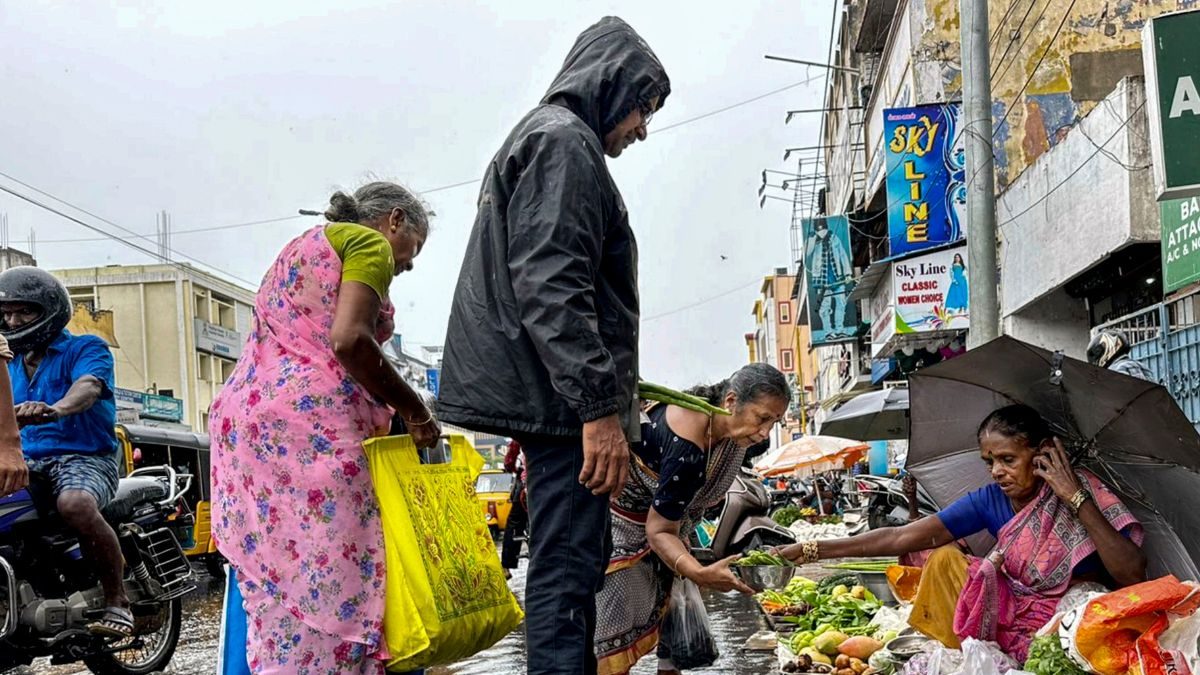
926 167
883 315
931 292
1172 67
830 277
1180 242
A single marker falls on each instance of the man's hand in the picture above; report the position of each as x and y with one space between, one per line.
605 456
35 412
14 474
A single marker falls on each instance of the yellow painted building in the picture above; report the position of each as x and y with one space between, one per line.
778 339
176 331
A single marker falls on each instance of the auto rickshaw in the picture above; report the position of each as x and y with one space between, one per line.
494 489
187 453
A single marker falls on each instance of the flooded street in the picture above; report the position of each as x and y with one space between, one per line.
734 618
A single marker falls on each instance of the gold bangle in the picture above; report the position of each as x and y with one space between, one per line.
1077 500
675 565
810 552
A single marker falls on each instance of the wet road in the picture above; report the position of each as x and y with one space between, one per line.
734 618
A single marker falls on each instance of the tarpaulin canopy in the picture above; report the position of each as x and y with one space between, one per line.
1130 432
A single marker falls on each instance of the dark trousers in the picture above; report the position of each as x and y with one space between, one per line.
518 522
569 548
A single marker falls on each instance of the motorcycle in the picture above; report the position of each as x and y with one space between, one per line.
51 593
742 522
886 503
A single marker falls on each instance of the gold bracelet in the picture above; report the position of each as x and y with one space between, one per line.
675 565
1077 500
810 552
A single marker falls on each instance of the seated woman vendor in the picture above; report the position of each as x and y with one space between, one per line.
1054 527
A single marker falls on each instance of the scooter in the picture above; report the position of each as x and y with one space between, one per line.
887 505
742 524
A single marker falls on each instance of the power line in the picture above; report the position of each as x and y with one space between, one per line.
1018 32
660 130
702 302
77 221
1097 151
175 232
1033 72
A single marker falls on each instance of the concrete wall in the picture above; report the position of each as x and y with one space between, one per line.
1076 205
1056 322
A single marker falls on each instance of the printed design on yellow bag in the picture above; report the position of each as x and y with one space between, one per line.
461 581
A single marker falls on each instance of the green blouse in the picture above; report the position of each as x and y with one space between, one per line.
365 253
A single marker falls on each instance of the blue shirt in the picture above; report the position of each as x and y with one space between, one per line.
988 508
69 357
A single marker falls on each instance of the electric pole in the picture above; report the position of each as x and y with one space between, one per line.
981 195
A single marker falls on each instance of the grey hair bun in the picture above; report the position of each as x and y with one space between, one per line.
342 208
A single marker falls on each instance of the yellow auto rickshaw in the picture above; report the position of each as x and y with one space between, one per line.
494 487
187 453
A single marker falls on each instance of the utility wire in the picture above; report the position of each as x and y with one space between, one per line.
660 130
705 301
1018 32
1079 168
1033 72
127 242
175 232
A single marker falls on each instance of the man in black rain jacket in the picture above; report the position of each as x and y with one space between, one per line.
543 333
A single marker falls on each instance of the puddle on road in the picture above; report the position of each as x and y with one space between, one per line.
734 618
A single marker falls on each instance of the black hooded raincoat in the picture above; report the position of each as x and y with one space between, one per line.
543 330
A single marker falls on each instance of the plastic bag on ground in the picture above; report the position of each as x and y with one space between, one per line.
447 598
984 658
1118 633
686 630
1184 637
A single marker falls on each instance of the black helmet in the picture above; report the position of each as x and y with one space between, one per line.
34 286
1106 346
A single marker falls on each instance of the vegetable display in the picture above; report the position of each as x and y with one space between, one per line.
787 515
764 559
1046 657
654 392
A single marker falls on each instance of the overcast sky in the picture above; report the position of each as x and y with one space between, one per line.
225 112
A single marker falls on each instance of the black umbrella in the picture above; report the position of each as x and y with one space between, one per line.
1129 431
874 416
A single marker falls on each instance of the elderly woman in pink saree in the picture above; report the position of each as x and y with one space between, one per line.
294 510
1055 527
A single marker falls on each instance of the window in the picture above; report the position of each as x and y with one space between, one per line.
224 315
85 296
204 421
787 361
226 367
785 312
203 367
200 305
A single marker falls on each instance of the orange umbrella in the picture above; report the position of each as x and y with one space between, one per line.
808 452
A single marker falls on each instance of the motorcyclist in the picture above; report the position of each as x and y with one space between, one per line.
63 392
1110 349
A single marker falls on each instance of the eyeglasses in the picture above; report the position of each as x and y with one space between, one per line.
647 114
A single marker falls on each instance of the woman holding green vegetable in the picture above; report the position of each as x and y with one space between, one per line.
685 463
1055 526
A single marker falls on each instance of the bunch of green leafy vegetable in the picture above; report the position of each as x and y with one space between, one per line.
1046 657
836 606
787 515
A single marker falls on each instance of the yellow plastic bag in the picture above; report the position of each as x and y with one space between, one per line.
447 597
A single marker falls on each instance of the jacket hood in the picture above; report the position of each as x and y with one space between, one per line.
608 73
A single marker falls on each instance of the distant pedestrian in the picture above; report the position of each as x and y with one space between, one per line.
1110 349
543 334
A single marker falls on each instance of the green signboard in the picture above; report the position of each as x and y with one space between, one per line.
1172 62
1180 242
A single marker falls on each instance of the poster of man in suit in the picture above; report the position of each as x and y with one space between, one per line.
830 277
